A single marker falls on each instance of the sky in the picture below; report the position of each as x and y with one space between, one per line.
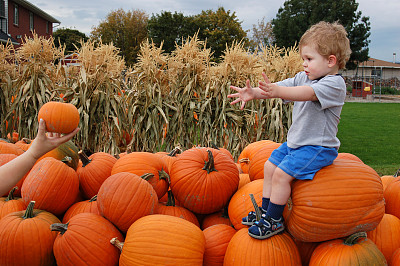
83 15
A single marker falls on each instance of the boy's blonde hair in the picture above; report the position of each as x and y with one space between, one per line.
329 39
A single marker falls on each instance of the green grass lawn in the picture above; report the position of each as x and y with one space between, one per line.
371 131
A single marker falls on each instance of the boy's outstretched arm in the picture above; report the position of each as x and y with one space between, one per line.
14 170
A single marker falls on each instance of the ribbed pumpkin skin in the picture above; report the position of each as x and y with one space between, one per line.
163 240
392 198
93 174
81 207
386 235
66 149
217 240
276 250
248 153
11 204
201 191
141 163
240 204
343 198
5 158
350 156
60 117
395 260
125 197
87 242
256 165
335 252
10 148
214 219
52 184
177 211
27 241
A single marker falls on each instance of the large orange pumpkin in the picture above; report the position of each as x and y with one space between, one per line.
256 165
125 197
217 239
248 153
163 240
52 184
94 170
343 198
204 179
277 250
10 148
220 217
59 117
85 240
356 249
392 198
386 235
141 163
25 238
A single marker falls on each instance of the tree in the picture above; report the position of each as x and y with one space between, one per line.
126 30
170 29
298 15
70 38
262 34
220 28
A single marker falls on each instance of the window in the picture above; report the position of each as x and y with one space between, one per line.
2 9
16 15
47 27
31 21
376 72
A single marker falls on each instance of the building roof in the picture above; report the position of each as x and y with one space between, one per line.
4 38
373 62
36 10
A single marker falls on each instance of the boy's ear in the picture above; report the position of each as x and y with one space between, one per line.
332 60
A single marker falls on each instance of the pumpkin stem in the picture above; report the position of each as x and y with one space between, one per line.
11 194
256 208
174 152
94 198
225 212
29 210
209 165
244 160
352 239
26 140
84 158
117 243
163 175
214 146
66 160
59 227
171 199
147 176
397 173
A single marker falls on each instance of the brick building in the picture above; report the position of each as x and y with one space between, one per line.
19 18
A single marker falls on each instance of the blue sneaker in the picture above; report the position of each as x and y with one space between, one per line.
266 227
251 218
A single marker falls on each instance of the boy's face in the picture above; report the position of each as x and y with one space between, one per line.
315 65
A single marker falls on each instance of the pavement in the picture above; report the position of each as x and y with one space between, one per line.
374 98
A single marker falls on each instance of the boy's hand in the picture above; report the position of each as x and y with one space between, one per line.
243 94
270 90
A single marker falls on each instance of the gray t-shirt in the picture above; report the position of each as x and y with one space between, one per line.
316 122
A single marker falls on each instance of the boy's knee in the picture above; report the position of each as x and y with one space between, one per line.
281 176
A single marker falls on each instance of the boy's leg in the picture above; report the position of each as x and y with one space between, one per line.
271 222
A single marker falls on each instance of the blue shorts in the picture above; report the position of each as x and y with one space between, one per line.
303 162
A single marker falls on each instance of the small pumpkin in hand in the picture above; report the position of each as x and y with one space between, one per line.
60 117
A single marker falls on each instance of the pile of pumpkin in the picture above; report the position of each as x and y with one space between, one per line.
185 208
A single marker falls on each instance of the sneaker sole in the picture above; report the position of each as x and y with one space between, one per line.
267 236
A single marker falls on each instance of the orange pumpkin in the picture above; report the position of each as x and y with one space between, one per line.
256 165
10 148
94 171
81 207
67 152
386 235
220 217
277 250
356 249
395 259
343 198
52 184
169 208
350 156
392 198
92 231
141 163
125 197
204 179
59 117
240 204
217 240
24 144
11 204
243 180
17 248
163 240
248 153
